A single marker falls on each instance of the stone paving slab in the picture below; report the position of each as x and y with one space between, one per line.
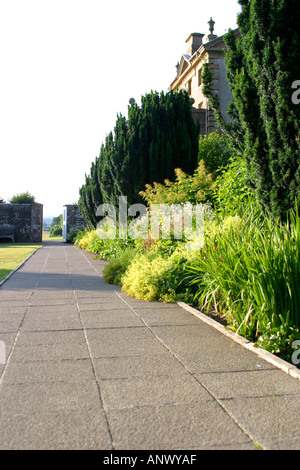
45 397
43 311
90 368
51 302
202 426
259 383
52 322
136 347
51 352
102 305
56 430
50 371
132 367
213 359
273 420
110 319
7 308
13 295
159 390
50 338
13 303
10 326
165 317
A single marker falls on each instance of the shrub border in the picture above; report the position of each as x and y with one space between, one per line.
285 366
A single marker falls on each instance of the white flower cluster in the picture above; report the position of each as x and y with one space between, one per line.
162 221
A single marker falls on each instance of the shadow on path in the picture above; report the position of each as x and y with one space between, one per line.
54 243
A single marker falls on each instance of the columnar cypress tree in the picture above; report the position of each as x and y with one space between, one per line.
261 68
86 204
157 137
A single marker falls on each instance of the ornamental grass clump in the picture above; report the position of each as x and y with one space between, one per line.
252 275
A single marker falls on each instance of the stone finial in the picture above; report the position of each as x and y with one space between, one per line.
211 24
211 36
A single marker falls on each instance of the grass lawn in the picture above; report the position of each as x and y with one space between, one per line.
46 236
12 254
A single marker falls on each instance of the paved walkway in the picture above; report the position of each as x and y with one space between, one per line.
90 368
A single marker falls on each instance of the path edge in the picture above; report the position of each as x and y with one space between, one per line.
20 265
285 366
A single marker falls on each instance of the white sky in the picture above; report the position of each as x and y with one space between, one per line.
68 67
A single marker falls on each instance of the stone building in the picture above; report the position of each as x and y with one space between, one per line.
202 50
21 222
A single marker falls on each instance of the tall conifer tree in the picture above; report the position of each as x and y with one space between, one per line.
156 138
261 67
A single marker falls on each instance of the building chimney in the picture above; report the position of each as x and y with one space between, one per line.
194 41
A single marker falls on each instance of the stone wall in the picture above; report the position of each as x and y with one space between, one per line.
199 115
224 93
72 219
27 220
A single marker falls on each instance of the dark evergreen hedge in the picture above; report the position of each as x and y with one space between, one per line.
157 137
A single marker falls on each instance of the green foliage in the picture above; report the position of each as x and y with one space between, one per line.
232 195
215 150
116 268
157 137
261 67
85 238
90 196
251 273
75 233
56 226
1 200
107 249
157 276
193 189
103 248
174 284
248 269
279 340
22 198
12 255
55 231
57 221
